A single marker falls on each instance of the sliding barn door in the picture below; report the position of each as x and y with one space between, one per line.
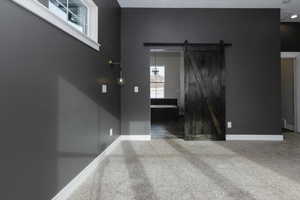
204 92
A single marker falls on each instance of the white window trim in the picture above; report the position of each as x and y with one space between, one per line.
40 10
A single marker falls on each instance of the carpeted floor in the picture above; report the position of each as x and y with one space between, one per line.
202 170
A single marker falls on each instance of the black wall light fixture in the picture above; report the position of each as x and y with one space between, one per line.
121 80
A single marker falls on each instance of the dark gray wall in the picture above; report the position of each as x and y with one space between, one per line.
253 62
53 119
290 40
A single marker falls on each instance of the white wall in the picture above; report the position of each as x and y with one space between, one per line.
172 63
295 55
297 94
182 88
287 92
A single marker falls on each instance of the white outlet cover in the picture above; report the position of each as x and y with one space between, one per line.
104 88
229 124
136 89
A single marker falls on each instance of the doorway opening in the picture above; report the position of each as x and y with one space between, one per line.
290 91
167 93
187 90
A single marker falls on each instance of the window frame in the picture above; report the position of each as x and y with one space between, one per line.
162 82
90 39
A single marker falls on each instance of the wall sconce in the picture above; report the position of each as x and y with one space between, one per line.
121 80
110 62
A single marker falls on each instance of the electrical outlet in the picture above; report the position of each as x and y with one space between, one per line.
104 88
136 89
229 124
111 132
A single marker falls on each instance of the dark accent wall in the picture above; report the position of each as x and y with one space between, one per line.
53 118
252 63
290 40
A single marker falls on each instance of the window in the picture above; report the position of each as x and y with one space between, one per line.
73 12
157 82
79 18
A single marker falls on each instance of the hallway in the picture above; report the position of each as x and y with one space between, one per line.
176 169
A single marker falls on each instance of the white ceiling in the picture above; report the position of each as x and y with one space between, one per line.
291 7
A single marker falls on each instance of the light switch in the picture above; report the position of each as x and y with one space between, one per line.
104 88
136 89
111 132
229 124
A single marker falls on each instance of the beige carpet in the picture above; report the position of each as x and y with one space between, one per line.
183 170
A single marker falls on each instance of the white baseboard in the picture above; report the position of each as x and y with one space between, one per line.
254 137
75 183
289 54
136 137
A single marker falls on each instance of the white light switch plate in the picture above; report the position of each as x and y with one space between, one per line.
136 89
111 132
229 124
104 88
